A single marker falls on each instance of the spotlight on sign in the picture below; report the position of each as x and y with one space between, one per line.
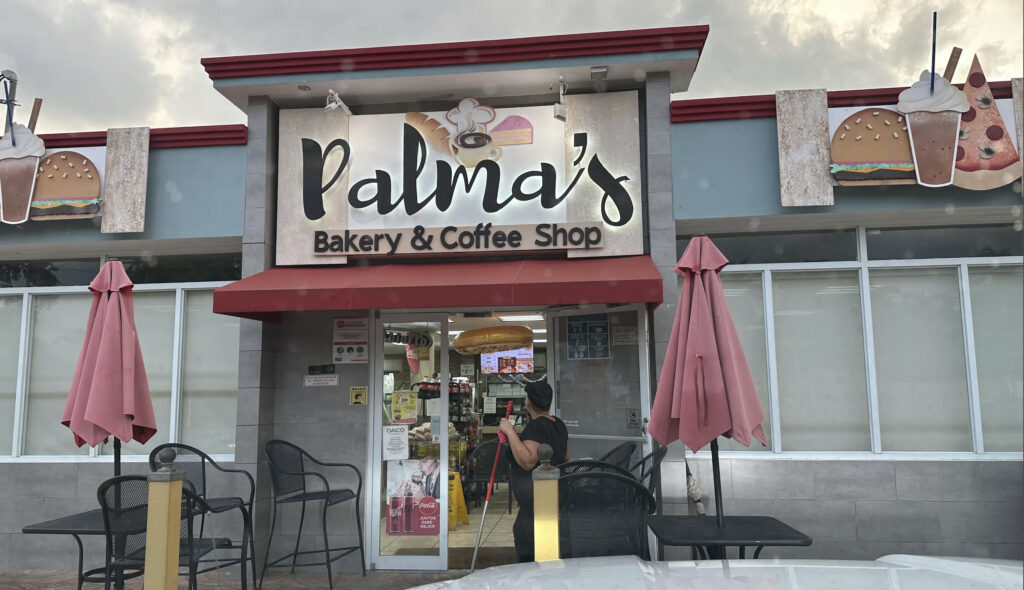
560 109
334 102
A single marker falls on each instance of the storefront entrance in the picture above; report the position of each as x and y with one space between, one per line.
433 407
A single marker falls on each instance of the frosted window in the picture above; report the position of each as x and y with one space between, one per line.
58 329
209 376
919 356
819 348
996 304
746 304
10 326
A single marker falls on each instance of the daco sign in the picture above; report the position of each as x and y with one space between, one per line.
472 179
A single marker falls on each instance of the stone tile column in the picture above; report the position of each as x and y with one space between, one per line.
258 340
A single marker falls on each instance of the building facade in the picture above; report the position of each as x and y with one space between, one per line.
883 329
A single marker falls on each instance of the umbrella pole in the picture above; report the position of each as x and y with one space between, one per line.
718 482
117 457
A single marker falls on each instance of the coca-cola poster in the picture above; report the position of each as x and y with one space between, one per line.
413 491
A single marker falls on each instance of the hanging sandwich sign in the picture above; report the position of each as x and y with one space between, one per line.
470 179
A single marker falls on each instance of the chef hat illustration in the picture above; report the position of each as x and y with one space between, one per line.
470 115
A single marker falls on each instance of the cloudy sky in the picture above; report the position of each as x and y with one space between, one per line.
113 63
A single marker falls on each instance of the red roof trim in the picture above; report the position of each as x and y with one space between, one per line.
462 53
163 138
761 106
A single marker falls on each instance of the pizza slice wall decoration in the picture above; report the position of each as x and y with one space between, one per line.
985 155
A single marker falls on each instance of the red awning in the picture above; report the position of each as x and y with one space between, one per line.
521 283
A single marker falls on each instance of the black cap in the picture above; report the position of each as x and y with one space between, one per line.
539 393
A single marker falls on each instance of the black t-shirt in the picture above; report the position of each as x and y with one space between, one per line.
541 430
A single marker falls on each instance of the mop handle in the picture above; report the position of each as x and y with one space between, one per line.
497 454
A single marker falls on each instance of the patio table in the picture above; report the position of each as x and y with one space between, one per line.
88 523
703 532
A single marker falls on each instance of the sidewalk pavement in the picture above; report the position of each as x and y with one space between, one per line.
377 580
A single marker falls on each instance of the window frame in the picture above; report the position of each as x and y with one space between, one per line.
863 265
95 455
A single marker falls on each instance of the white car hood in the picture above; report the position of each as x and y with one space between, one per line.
892 572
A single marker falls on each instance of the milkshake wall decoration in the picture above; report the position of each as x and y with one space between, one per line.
20 150
933 108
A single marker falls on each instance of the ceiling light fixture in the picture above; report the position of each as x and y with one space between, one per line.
598 72
521 318
304 87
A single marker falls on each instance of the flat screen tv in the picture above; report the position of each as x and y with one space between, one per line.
519 360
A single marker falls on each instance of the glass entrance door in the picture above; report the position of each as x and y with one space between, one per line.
410 452
600 372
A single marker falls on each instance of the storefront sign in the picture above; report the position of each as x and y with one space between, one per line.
407 337
485 237
357 395
350 343
320 381
588 337
472 178
395 444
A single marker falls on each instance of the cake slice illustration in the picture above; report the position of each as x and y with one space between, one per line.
933 108
985 155
20 150
513 130
67 186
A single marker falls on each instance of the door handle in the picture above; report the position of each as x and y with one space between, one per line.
643 429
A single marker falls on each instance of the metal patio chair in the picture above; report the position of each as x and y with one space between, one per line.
481 461
290 473
584 465
603 514
124 501
621 455
194 463
647 470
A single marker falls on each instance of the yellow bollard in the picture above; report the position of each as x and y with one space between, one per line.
163 522
545 507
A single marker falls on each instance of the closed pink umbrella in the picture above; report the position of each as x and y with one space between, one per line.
706 389
109 392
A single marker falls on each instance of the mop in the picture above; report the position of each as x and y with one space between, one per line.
490 485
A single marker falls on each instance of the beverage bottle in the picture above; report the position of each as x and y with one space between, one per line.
407 511
395 515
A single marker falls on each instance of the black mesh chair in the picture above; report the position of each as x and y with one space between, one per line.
647 470
481 461
124 501
195 464
621 455
289 475
584 465
602 514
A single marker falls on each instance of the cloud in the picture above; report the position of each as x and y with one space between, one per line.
109 63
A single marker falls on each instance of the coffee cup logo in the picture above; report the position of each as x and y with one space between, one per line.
471 148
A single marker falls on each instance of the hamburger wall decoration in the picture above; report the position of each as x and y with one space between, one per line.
41 184
937 135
